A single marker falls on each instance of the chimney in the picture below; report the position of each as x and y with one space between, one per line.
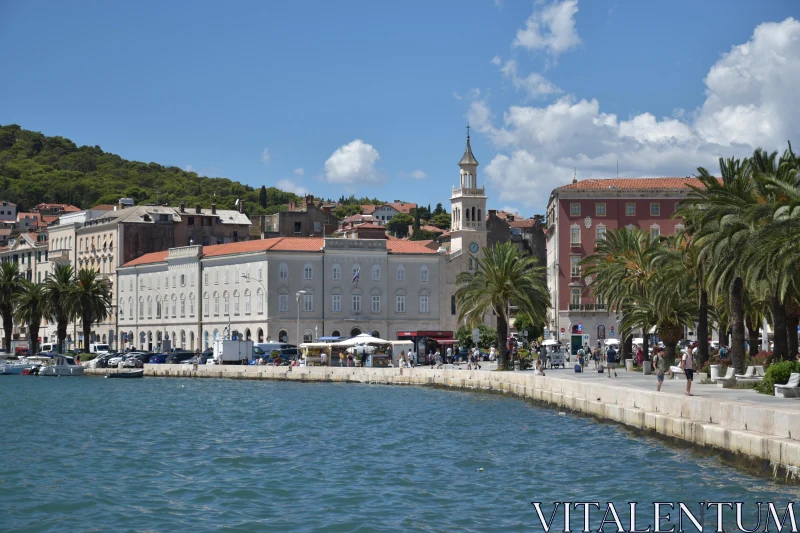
197 209
241 206
120 207
183 207
326 208
492 212
213 209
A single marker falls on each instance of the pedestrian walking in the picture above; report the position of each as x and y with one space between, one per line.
660 364
611 360
688 366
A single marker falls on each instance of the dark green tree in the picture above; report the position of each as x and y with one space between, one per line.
10 288
399 224
262 196
90 300
29 307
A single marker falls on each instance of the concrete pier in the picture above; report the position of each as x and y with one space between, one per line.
757 429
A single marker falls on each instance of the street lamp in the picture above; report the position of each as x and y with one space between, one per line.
299 293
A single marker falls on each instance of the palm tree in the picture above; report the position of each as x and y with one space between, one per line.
10 286
621 267
57 291
28 309
89 299
503 276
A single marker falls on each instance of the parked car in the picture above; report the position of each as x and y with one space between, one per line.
116 359
144 357
132 362
158 359
100 362
179 357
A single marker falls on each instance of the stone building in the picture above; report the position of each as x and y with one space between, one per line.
285 288
299 220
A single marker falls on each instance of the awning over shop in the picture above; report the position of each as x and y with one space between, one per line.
434 335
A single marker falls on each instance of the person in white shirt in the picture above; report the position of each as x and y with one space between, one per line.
688 366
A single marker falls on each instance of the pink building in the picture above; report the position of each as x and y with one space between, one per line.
578 215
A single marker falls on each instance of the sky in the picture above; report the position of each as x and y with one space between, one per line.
373 98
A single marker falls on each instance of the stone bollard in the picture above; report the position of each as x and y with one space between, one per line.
646 366
629 365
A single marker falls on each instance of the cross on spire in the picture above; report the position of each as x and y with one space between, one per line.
467 130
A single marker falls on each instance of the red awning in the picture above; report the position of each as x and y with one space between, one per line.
435 335
447 341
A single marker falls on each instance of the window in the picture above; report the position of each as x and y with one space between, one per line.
356 303
183 306
679 228
121 308
423 304
308 303
575 210
130 284
400 304
158 307
401 273
283 303
205 277
216 303
655 209
575 235
575 266
191 279
376 304
191 304
298 227
336 303
575 296
601 232
260 272
337 272
376 273
141 283
174 306
308 272
260 302
453 305
226 302
655 231
206 308
630 209
600 209
174 281
423 273
283 271
247 301
149 308
317 227
141 307
130 308
216 276
225 275
235 302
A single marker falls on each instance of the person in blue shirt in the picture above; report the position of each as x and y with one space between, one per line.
611 360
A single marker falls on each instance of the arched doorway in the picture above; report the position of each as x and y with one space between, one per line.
376 333
260 335
191 340
183 339
335 333
283 336
355 331
205 340
247 334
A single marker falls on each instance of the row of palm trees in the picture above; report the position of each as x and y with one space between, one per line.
734 264
64 296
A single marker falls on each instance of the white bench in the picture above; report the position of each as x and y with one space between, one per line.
750 374
728 380
791 389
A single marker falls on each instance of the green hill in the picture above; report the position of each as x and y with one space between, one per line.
36 168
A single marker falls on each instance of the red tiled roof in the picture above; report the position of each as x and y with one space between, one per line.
104 207
49 219
277 244
527 223
369 225
368 209
635 183
403 207
407 247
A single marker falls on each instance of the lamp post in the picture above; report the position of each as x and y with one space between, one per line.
297 297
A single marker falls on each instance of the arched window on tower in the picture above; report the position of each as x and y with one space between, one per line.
479 215
467 214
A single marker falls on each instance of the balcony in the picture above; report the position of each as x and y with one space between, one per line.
574 244
588 307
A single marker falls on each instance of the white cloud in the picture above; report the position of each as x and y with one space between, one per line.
551 28
188 168
496 61
418 175
265 155
353 163
291 186
534 84
750 102
457 96
299 171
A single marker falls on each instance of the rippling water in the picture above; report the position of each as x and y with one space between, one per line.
89 454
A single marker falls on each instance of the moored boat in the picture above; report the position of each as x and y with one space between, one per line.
61 365
127 374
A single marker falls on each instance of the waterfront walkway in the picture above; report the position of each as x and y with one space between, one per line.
761 430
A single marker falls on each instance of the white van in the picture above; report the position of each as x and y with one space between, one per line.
99 349
48 347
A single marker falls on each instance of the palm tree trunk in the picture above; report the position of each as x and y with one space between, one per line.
33 343
8 327
737 324
646 343
669 348
87 328
752 335
781 348
502 342
791 334
61 330
627 347
702 329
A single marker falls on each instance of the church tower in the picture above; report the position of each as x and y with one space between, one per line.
468 208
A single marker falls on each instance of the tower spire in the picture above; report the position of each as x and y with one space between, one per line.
468 158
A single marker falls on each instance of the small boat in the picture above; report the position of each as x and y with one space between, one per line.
128 374
61 365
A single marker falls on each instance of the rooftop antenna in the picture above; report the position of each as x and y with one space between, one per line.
575 176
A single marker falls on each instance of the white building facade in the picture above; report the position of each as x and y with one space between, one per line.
282 289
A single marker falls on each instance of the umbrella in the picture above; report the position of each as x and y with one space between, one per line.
611 341
364 338
550 342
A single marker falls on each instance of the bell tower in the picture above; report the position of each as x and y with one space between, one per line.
468 207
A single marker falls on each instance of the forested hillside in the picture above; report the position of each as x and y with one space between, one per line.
36 168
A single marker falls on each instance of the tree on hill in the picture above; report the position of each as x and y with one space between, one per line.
36 168
343 211
438 210
441 221
399 224
262 196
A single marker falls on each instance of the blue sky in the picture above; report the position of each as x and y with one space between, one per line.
372 98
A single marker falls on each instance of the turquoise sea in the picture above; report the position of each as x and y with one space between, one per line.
89 454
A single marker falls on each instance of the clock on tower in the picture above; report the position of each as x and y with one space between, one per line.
473 247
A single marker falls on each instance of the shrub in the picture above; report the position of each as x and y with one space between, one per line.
87 356
776 374
762 358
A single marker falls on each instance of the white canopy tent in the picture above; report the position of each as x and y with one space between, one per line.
609 342
550 342
364 338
